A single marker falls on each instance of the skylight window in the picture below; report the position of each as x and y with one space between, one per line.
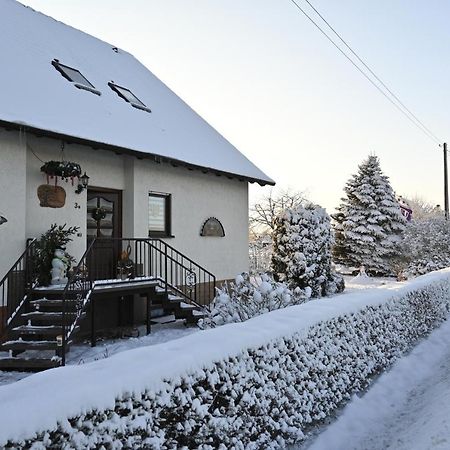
74 76
128 96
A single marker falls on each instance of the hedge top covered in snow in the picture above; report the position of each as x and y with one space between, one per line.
38 96
66 392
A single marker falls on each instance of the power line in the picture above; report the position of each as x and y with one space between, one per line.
414 120
372 72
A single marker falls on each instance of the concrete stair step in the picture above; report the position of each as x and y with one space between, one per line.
47 316
37 330
29 364
53 305
21 345
164 319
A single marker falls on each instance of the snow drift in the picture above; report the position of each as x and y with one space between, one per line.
257 384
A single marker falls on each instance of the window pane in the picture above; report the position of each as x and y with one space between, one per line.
156 213
92 232
107 221
105 232
129 96
75 76
92 204
106 205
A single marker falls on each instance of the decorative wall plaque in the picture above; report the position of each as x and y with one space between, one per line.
212 227
191 279
51 196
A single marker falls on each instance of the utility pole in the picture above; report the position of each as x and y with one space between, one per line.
445 181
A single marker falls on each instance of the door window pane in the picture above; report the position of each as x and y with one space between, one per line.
106 205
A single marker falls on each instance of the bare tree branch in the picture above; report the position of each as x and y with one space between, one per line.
263 213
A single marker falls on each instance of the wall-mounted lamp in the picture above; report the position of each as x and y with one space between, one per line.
3 220
83 183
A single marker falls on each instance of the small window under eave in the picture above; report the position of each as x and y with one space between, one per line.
74 76
128 96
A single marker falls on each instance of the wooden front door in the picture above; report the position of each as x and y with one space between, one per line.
104 222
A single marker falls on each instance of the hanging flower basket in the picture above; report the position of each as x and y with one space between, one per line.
64 169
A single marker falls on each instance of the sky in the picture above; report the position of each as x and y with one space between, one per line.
261 74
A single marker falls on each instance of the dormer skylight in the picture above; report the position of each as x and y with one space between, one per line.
74 76
128 96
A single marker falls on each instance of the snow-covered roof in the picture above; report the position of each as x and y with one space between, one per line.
34 94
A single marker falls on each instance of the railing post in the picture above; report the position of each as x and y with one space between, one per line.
136 260
63 356
150 261
165 265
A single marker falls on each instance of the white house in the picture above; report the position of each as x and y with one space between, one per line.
156 169
66 95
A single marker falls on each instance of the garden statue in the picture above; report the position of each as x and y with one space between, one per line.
60 264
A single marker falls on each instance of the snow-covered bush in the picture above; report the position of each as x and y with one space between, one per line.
248 297
262 397
426 245
301 257
368 224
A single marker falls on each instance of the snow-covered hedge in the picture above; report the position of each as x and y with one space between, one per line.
249 297
258 384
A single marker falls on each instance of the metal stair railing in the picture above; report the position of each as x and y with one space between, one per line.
180 273
15 286
145 258
78 290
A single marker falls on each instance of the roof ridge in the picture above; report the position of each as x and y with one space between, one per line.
60 22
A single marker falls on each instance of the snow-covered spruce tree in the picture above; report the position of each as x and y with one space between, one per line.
301 257
369 225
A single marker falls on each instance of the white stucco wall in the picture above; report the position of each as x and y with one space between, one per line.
12 198
195 197
105 169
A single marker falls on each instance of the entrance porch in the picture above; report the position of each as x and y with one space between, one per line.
148 278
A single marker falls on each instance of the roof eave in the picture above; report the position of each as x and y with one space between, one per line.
123 150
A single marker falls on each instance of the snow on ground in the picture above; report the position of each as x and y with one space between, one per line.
148 367
359 282
407 408
83 352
